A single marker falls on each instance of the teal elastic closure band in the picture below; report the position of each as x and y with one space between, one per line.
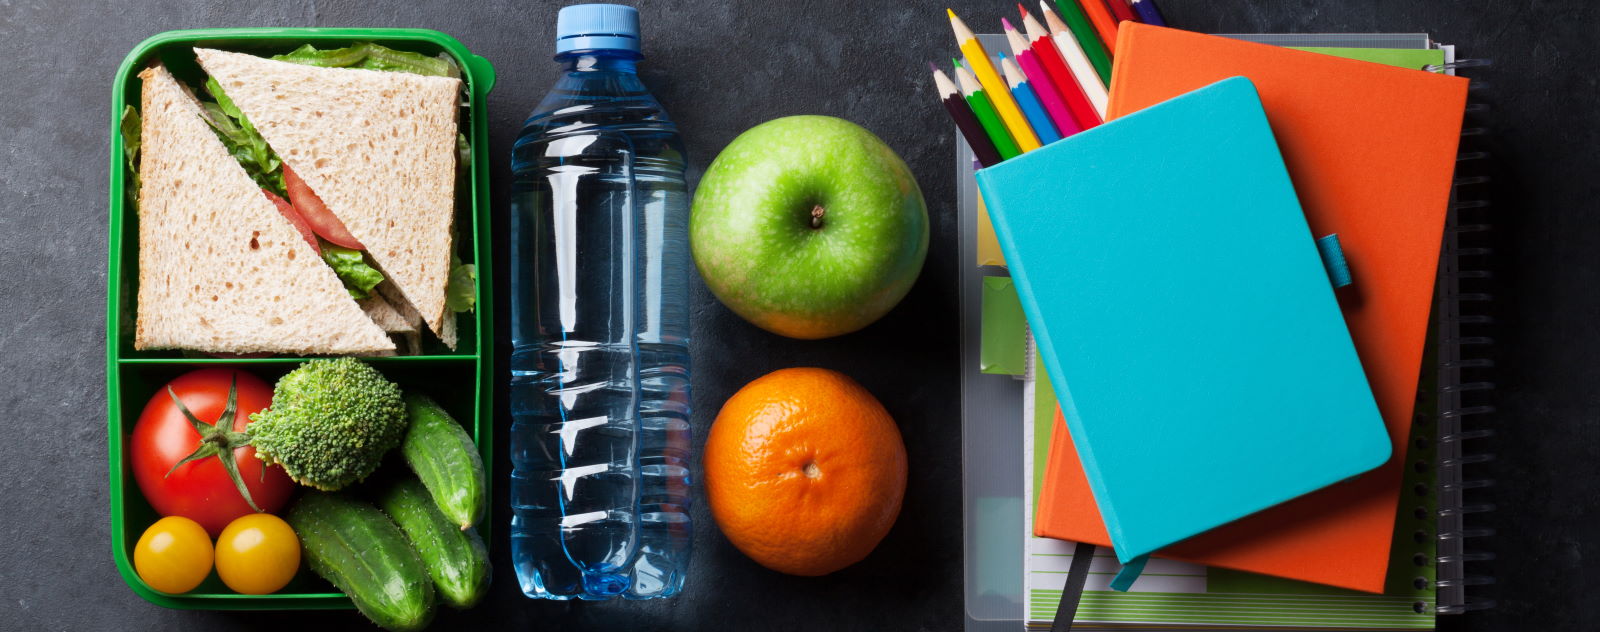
1333 260
1130 571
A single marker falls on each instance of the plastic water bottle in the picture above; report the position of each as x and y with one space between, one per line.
600 327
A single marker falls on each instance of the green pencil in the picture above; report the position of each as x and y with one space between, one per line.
987 117
1077 21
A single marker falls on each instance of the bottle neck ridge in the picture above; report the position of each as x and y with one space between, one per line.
599 61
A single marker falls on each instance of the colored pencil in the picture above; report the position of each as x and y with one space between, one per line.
1049 93
996 88
983 109
1082 35
1148 12
1028 100
956 104
1100 17
1121 12
1064 45
1048 62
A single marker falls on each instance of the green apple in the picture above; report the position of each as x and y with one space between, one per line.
809 227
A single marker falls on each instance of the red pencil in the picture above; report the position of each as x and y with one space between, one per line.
1121 12
1100 17
1044 51
1044 85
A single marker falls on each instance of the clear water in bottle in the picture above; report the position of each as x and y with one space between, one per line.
599 317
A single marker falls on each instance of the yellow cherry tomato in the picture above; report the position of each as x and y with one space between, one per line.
257 554
173 555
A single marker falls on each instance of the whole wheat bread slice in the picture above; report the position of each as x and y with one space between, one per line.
220 269
387 316
408 323
378 147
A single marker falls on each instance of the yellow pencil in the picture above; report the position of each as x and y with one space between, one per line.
978 60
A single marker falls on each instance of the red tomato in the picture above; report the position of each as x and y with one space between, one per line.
315 212
201 490
294 218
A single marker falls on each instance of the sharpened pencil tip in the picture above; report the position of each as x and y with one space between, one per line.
1022 10
1006 24
950 12
932 66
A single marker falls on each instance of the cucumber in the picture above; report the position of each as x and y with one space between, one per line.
353 545
446 461
457 560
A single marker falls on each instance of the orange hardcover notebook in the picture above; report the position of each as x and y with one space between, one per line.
1371 150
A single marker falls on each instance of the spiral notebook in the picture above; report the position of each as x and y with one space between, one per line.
1011 580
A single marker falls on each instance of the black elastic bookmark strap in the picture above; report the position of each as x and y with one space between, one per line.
1072 590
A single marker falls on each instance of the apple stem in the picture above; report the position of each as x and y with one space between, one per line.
816 216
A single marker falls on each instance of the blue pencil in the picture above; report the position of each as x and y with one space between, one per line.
1148 13
1028 101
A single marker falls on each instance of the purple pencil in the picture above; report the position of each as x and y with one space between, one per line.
1148 12
956 105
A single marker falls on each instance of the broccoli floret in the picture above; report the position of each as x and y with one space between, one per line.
330 423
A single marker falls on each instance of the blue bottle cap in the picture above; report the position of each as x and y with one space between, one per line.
597 26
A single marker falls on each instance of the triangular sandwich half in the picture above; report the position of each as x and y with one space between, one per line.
379 149
220 269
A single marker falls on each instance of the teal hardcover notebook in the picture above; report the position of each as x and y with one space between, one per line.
1184 316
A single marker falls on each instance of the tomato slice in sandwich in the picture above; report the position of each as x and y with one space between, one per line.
294 217
315 212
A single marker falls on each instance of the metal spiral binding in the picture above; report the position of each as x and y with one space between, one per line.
1463 372
1456 65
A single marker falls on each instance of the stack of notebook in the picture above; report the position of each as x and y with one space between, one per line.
1169 330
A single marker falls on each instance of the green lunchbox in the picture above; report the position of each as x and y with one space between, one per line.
460 380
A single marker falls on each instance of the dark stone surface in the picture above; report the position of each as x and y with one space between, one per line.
721 68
